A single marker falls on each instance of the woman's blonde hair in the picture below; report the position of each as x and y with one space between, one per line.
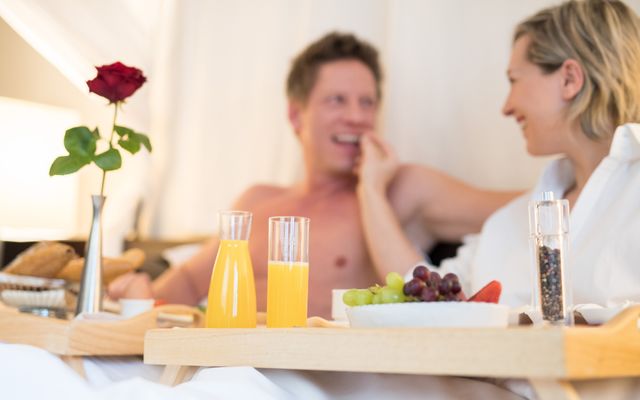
604 38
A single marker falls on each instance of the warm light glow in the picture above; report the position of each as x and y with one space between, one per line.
33 205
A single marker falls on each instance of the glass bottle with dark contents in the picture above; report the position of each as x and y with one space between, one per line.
549 233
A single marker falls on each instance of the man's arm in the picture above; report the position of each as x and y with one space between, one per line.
189 283
186 284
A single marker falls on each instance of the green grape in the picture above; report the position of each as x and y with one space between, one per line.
363 297
375 289
391 295
376 299
349 297
394 280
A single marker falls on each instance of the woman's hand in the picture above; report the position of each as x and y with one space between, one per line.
377 164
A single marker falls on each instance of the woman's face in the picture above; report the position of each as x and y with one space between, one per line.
536 101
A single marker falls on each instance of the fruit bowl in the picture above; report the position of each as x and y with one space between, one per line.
441 314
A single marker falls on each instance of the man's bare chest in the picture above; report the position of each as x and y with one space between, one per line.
336 240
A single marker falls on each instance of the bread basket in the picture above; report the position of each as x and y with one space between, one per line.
34 292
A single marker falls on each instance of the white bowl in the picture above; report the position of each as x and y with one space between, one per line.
429 314
132 307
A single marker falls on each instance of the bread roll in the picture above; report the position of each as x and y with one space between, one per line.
111 267
44 259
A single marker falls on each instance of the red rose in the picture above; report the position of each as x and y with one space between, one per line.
116 82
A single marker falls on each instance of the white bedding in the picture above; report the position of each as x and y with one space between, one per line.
30 373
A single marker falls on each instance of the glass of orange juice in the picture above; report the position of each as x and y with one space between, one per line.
288 272
232 292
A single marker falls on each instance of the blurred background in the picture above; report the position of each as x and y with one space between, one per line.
214 103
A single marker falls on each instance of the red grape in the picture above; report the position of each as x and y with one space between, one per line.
421 272
434 280
451 276
429 294
451 297
447 282
444 287
413 287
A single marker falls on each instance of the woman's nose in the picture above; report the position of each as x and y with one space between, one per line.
507 108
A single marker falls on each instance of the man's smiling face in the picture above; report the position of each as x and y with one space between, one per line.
341 107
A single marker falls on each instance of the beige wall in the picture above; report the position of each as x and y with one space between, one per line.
445 87
26 75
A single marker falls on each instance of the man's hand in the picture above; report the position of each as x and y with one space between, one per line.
377 164
131 286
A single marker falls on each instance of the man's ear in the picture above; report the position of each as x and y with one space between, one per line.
295 115
572 79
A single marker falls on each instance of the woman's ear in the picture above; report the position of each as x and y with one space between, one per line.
294 113
573 79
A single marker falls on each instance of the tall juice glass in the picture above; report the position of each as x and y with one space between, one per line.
232 292
288 272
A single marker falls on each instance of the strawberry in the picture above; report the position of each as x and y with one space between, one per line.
488 294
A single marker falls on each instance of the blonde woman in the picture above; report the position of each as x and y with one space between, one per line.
575 92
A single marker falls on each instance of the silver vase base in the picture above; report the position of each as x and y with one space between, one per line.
49 312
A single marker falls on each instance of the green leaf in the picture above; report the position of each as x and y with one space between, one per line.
109 160
80 142
123 131
66 165
131 140
144 139
132 145
96 133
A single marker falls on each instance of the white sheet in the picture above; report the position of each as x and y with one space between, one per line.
27 372
30 373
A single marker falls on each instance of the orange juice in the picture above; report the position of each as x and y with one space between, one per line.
232 292
287 294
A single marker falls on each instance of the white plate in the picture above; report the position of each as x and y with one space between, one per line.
596 315
433 314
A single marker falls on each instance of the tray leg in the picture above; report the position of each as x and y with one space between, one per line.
554 389
176 374
76 363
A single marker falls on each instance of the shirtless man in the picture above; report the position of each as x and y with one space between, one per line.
334 92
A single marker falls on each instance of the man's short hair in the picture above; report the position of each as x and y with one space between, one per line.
334 46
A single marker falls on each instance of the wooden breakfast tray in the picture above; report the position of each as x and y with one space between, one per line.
548 357
75 338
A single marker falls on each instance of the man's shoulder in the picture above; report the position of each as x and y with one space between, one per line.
259 193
